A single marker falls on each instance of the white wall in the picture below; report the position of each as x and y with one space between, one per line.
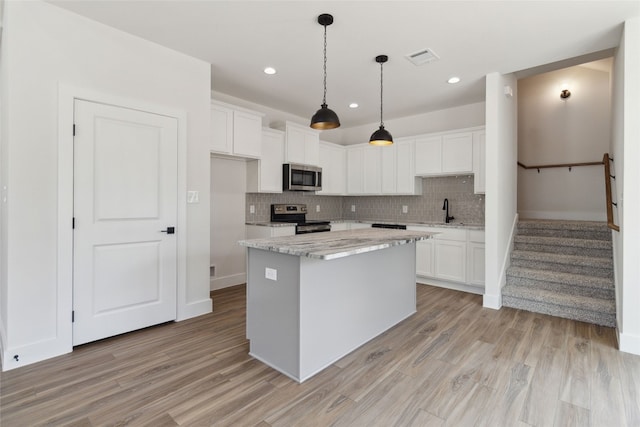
44 47
501 183
228 187
626 152
554 130
436 121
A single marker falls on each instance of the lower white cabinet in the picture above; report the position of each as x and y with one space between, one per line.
358 225
265 232
452 258
339 226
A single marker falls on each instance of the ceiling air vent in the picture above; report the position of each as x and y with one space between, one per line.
422 57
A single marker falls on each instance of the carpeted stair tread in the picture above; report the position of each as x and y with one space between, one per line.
563 278
551 258
561 300
563 241
562 225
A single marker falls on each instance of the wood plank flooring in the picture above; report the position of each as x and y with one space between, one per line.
453 363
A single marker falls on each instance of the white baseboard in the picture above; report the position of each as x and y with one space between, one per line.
629 343
194 309
32 353
492 301
478 290
227 281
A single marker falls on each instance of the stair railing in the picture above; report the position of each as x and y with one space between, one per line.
607 178
607 185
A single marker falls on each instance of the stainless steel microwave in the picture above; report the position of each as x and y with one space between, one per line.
296 177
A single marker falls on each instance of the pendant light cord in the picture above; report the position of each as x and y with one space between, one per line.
381 122
324 96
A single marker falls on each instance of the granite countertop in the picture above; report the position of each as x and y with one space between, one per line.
337 244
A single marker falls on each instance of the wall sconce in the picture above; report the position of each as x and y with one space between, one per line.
564 93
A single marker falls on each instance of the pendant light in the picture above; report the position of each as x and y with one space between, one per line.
325 118
381 136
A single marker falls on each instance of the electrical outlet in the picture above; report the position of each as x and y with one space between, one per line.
271 273
252 209
405 209
317 208
353 208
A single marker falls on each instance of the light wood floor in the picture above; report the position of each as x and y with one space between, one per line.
453 363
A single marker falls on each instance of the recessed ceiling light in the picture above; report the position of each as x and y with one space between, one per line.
269 70
353 105
453 80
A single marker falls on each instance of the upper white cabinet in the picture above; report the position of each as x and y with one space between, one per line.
333 161
235 131
382 170
355 169
302 144
445 154
406 180
479 162
265 175
428 155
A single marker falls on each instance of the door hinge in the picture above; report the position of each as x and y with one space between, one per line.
73 223
73 316
74 129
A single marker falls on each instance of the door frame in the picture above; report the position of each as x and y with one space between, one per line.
67 95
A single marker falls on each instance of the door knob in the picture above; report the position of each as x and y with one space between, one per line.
169 230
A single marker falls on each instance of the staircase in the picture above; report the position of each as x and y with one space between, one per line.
564 269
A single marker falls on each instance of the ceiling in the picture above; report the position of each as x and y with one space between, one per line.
472 38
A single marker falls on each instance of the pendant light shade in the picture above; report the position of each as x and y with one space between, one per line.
325 118
381 136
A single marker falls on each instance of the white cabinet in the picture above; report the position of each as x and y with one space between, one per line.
333 161
265 175
389 169
358 225
446 154
453 258
302 144
406 180
235 131
457 153
372 168
429 155
475 258
265 232
479 162
450 260
355 170
424 258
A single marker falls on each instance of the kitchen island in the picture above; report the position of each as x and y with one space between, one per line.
313 298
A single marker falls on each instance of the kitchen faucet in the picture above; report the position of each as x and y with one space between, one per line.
447 218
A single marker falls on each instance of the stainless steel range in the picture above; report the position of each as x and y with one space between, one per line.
298 214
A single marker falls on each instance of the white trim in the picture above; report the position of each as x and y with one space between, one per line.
194 309
35 352
495 301
472 289
629 343
227 281
67 94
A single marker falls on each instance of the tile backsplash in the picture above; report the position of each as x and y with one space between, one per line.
464 205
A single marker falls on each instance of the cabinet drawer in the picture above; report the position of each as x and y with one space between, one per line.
452 234
476 236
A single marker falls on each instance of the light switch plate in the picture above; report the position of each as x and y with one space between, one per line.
353 208
317 208
193 197
405 209
252 209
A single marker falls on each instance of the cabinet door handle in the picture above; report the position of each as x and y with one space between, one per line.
169 230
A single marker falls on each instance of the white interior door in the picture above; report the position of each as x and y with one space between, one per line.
125 201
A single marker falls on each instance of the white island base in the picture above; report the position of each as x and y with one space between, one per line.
316 311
